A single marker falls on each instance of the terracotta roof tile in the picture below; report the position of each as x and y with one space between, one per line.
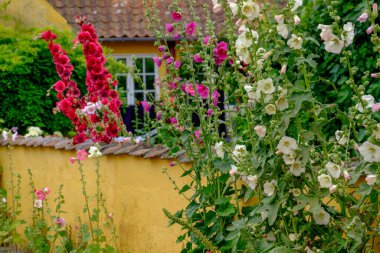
126 18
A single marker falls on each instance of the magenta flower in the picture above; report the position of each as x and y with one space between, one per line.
60 222
197 134
145 105
169 60
220 52
161 48
177 64
157 60
159 115
81 154
189 89
376 107
72 160
203 91
177 36
174 120
369 30
209 112
172 164
197 58
40 195
206 39
169 27
190 28
215 97
176 16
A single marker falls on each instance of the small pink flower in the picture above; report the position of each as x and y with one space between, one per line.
233 171
169 60
297 20
197 58
189 89
374 7
145 105
174 120
172 164
161 48
202 90
81 154
72 160
190 28
220 52
46 190
176 16
169 27
369 30
375 75
215 97
206 39
177 64
110 215
363 18
197 134
41 195
346 175
209 112
376 107
157 60
159 115
177 36
60 222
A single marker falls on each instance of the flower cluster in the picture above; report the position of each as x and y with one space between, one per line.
95 116
41 196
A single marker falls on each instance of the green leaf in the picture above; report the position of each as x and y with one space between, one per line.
191 209
222 200
226 211
184 189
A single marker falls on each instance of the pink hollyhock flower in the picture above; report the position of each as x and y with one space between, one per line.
59 86
46 190
169 60
169 27
172 164
159 115
81 154
60 222
48 36
202 90
206 39
174 120
177 64
177 36
158 61
197 58
72 160
215 97
363 18
369 30
189 89
145 105
176 16
190 28
40 195
209 112
220 52
376 107
161 48
197 134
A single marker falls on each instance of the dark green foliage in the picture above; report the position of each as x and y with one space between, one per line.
27 72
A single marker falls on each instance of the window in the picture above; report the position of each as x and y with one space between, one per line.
147 71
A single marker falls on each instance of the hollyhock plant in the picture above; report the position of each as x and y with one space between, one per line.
191 28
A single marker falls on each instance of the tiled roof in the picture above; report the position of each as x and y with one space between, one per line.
126 18
114 148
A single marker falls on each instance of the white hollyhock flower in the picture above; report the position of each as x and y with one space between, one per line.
243 40
321 217
251 181
288 159
292 237
295 42
4 200
219 149
333 169
94 152
370 152
279 19
233 170
297 3
377 131
334 45
333 188
270 187
348 33
287 145
324 181
296 168
340 138
270 109
259 64
239 152
371 179
326 33
282 103
368 100
250 9
266 86
260 130
251 94
234 8
5 135
282 29
243 54
38 203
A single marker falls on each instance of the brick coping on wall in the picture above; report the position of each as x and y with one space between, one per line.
114 148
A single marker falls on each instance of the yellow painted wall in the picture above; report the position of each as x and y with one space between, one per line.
34 13
135 188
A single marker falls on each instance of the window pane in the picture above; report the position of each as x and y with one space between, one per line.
122 80
149 82
122 60
149 65
139 84
139 97
139 64
150 96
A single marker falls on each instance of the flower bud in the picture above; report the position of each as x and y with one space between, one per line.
371 179
332 188
283 69
363 18
374 10
346 175
297 20
375 75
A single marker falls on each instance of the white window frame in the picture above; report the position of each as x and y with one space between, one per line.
131 81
